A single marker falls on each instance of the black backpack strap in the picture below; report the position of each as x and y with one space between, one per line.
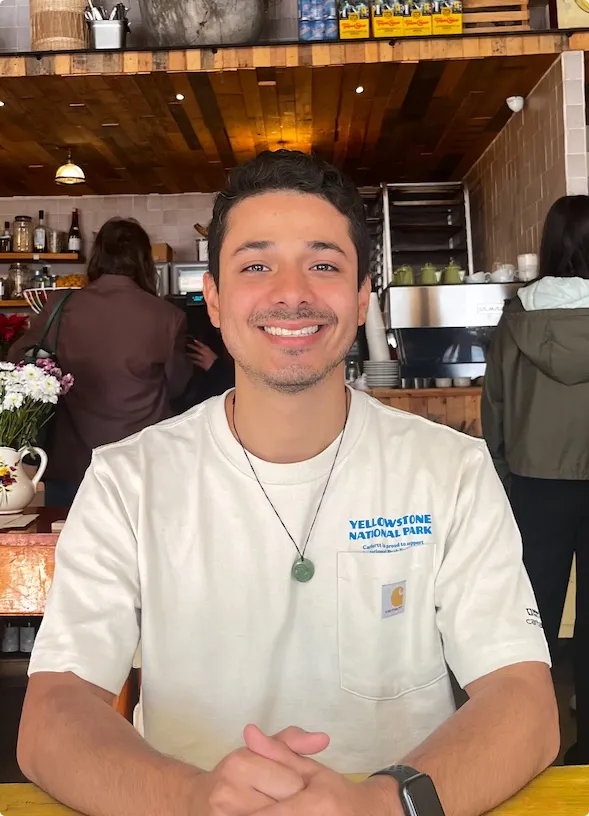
53 317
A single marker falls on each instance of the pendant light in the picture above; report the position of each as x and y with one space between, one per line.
69 173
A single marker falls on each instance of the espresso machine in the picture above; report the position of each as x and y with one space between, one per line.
444 331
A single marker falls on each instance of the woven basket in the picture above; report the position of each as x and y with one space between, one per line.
58 25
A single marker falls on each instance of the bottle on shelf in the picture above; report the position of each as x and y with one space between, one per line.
10 638
74 239
6 238
27 637
40 234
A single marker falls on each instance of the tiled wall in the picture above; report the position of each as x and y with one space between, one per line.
15 30
15 33
167 218
539 156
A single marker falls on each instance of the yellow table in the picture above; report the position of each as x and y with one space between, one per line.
558 792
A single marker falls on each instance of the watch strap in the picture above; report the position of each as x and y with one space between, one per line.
399 772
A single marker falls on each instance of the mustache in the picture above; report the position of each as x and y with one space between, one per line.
322 316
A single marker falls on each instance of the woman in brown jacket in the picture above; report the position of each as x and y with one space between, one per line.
125 348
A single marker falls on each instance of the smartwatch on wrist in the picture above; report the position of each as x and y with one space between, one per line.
416 790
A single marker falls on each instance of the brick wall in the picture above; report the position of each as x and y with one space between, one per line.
539 156
167 218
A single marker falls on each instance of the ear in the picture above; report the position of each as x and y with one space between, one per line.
363 300
211 294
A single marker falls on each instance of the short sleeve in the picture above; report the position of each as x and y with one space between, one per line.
91 621
486 610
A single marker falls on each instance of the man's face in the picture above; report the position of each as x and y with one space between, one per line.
288 305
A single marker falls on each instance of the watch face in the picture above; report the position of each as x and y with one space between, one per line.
420 797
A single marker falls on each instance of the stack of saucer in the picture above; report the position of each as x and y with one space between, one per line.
383 374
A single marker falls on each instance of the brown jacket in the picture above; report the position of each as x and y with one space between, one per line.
125 349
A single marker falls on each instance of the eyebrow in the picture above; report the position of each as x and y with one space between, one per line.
249 245
317 246
322 246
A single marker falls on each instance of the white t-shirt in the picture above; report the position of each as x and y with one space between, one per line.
171 541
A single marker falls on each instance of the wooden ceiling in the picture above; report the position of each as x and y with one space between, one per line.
414 121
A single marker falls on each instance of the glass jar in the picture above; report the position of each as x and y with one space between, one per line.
22 234
18 280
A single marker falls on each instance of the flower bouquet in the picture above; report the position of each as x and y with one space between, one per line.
11 328
28 395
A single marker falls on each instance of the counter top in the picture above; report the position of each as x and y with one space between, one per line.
558 792
473 391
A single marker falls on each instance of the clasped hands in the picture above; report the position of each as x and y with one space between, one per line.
275 775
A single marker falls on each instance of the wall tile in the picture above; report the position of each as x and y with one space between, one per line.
577 186
576 140
576 165
573 65
516 181
575 116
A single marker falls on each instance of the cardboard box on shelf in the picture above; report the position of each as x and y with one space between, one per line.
447 17
354 20
387 19
417 21
162 253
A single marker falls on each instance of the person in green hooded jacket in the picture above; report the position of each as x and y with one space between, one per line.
535 417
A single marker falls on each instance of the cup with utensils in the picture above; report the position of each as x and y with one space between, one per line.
527 267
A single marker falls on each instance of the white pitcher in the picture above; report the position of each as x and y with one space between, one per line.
16 487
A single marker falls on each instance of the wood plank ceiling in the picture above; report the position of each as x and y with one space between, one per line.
413 122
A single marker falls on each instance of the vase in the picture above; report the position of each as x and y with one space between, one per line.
16 487
202 22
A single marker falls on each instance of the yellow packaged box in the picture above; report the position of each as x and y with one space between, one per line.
354 21
387 19
447 17
417 21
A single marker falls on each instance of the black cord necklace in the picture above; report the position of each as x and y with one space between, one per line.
303 568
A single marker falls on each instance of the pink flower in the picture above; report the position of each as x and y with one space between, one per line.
66 383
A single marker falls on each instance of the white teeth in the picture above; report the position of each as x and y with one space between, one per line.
280 332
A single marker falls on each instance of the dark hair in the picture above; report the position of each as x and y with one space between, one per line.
291 170
564 252
122 247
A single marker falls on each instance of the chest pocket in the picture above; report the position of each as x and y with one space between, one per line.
388 639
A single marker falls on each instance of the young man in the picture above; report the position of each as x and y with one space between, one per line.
292 556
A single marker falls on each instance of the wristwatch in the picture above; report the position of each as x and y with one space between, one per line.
417 791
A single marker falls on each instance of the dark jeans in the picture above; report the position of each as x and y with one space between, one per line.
60 494
553 516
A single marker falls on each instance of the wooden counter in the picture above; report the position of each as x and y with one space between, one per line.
558 792
459 408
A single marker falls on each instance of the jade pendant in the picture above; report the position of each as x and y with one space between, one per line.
303 570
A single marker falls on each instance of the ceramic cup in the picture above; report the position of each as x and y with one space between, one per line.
503 274
478 277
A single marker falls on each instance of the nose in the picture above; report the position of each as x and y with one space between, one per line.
291 286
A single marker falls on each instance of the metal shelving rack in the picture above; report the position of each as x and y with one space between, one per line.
423 223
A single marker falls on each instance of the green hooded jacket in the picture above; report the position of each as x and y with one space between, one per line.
535 406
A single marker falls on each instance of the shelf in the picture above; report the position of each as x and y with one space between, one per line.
14 304
37 257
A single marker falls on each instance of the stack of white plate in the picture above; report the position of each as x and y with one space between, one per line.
383 374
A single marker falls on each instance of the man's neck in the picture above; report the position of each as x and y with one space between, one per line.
286 428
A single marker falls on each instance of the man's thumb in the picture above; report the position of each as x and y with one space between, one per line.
288 747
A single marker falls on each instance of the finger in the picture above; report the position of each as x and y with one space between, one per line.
277 751
305 743
243 777
295 806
